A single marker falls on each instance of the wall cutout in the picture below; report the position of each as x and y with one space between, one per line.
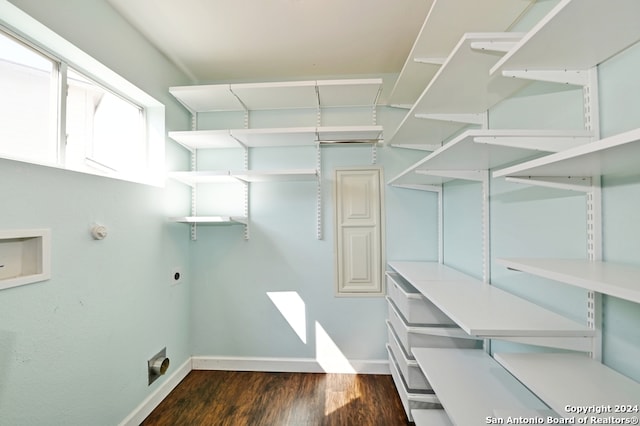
25 256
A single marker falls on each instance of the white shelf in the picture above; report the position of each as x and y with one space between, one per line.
461 86
195 177
483 310
428 271
210 220
271 137
276 175
615 155
564 379
621 281
446 22
470 384
231 176
430 417
279 95
575 35
476 150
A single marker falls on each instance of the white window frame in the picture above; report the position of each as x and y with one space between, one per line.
16 22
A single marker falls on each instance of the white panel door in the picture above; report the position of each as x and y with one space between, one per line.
358 222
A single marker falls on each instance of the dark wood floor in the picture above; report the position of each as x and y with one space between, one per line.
237 398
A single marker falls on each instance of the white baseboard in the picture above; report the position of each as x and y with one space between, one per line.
296 365
148 405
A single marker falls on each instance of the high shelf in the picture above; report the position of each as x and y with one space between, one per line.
442 29
440 111
575 36
565 380
314 95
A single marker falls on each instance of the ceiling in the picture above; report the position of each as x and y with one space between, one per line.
267 40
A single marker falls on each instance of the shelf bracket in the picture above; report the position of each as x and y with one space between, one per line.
581 344
570 183
418 187
419 147
473 175
573 77
547 144
470 118
493 46
430 61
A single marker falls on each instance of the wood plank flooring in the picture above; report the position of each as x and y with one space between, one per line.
239 398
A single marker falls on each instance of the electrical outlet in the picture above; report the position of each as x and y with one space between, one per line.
176 275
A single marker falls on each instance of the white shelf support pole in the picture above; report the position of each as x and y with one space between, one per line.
319 192
594 212
440 225
247 187
194 190
486 255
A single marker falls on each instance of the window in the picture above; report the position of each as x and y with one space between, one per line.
27 97
59 107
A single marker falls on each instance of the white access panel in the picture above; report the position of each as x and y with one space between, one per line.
358 222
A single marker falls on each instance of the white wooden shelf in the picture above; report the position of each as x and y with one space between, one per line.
476 150
271 137
210 220
615 155
461 86
430 417
617 280
575 35
442 29
299 175
564 379
470 384
231 176
278 95
483 310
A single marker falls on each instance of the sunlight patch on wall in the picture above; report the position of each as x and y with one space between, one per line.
292 308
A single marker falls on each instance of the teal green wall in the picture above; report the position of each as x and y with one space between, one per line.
74 349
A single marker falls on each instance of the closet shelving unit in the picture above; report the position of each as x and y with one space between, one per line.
248 97
564 48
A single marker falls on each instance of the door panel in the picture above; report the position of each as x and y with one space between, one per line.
358 232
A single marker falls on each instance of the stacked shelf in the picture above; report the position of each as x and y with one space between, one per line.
471 385
230 176
478 150
482 310
564 380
